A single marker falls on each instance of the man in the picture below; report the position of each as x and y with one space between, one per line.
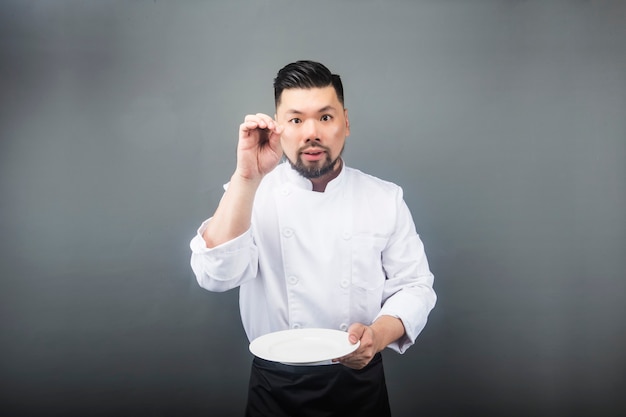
313 243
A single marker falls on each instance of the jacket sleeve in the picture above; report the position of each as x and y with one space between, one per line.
408 290
226 266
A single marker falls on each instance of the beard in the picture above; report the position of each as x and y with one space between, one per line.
315 170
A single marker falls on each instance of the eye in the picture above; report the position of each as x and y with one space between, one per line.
295 120
326 118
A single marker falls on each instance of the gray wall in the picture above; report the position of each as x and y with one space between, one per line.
504 121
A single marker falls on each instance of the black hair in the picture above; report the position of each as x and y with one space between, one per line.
306 74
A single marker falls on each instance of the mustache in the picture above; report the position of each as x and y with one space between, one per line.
313 147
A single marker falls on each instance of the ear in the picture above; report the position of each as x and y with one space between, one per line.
345 115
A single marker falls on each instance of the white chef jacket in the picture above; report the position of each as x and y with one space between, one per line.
326 260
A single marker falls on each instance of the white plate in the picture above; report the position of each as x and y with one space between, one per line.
302 346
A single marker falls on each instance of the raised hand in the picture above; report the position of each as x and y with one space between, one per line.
258 150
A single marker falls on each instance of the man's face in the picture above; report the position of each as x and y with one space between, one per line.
315 129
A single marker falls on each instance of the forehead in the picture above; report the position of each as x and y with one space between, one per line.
308 99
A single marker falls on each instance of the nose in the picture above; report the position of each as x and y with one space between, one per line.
310 130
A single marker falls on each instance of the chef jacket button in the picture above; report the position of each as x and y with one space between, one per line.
287 232
345 283
343 327
285 191
346 235
295 326
293 280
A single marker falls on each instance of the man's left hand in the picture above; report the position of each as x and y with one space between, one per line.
366 350
374 338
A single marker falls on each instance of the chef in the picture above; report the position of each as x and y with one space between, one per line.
313 243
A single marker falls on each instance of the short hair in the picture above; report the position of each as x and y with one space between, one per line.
306 75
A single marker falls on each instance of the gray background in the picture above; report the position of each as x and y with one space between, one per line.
504 121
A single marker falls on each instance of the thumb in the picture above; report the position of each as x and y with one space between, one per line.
355 332
274 137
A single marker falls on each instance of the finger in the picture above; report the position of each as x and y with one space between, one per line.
355 332
253 122
258 116
269 123
246 128
263 121
354 362
251 126
267 119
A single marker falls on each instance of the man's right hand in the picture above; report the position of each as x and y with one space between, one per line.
259 150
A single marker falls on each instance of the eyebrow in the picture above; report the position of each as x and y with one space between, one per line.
322 110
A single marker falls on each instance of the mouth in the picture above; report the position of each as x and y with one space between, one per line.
313 154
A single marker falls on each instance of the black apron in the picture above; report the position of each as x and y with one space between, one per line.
279 390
